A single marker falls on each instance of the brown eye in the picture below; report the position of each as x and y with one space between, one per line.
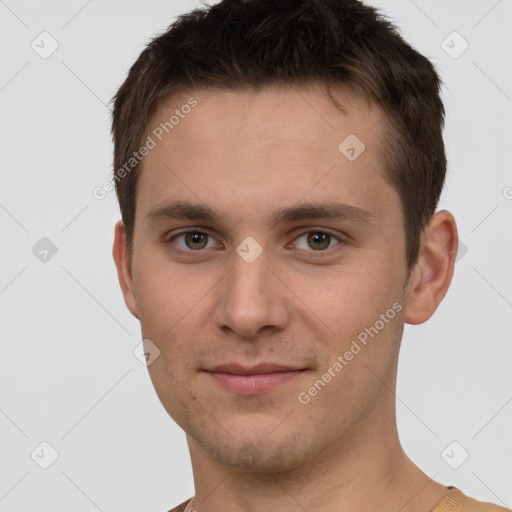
196 240
193 241
316 241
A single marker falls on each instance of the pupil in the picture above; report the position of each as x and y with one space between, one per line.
322 238
194 239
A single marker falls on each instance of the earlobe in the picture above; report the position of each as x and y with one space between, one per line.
124 268
433 272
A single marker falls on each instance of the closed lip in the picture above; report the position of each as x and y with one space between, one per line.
237 369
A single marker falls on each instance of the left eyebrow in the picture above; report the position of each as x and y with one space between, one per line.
304 211
336 211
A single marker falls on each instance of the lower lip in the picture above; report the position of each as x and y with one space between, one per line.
253 384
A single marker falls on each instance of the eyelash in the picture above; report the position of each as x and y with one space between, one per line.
318 253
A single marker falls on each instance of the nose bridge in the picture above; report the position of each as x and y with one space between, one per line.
250 297
248 278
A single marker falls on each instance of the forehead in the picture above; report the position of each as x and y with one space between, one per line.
277 144
300 116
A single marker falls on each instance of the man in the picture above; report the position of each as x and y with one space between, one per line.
278 166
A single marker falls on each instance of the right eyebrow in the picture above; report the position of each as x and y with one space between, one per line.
182 210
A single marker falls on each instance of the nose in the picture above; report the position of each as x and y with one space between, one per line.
251 298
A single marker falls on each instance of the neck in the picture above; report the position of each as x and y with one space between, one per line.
366 470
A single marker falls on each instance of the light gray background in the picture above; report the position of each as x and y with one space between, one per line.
68 373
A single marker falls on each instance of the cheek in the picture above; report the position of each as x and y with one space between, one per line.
349 305
353 294
164 293
172 305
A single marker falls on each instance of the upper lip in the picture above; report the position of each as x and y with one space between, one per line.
237 369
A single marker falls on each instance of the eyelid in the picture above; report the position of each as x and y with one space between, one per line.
341 238
170 239
185 231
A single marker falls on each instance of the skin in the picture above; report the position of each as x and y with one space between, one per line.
247 154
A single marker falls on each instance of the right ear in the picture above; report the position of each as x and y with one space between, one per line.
124 268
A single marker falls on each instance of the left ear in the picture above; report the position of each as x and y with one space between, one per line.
433 272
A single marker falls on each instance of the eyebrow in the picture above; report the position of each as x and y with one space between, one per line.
304 211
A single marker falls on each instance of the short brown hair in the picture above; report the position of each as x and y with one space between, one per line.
237 44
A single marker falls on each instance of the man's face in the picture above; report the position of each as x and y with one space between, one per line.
211 298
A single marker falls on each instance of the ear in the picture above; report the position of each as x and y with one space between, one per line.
433 272
124 268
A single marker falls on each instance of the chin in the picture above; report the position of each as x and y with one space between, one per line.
255 452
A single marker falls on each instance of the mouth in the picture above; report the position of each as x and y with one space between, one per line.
253 380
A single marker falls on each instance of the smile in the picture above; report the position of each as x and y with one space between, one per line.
254 383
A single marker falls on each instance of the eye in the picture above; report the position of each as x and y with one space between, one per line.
311 241
316 240
193 240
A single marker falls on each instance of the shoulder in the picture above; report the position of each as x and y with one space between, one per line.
181 507
457 501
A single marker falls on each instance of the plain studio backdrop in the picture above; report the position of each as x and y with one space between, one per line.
75 398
